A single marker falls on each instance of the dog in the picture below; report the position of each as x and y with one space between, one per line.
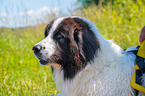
83 62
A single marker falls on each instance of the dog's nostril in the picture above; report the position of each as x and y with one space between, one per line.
37 48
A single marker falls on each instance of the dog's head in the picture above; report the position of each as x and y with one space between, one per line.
69 42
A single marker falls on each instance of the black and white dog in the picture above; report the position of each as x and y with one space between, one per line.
84 63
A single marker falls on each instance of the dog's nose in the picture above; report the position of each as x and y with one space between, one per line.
37 48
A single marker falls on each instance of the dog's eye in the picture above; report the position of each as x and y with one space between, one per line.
60 36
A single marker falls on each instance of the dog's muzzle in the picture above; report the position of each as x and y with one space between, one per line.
38 53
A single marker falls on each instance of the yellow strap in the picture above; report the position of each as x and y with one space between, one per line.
141 50
134 84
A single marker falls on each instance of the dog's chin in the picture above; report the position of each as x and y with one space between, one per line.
44 63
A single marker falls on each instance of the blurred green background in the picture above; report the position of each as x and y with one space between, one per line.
20 72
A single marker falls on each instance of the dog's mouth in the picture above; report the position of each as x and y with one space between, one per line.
48 61
42 61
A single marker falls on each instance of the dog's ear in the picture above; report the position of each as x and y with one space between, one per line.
90 43
79 41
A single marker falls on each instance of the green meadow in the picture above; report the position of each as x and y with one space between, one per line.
20 72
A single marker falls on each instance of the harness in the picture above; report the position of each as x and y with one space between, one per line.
139 51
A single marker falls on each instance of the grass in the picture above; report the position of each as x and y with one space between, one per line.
121 22
20 72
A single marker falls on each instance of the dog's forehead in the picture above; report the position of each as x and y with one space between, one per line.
63 21
54 26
